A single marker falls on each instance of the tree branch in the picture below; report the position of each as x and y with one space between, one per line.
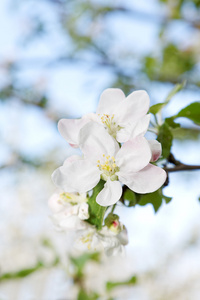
182 167
179 166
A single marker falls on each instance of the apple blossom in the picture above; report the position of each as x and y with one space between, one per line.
104 159
124 118
106 240
69 210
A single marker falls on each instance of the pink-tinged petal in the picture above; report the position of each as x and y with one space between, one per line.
141 126
147 180
132 108
134 155
78 176
156 149
109 99
96 141
70 128
110 194
70 159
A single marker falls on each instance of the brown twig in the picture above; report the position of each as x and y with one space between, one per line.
179 166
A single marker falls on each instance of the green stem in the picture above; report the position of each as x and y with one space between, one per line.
96 211
113 208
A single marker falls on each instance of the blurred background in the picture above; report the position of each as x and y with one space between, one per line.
56 57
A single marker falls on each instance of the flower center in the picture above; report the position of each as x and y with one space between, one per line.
111 125
108 167
72 198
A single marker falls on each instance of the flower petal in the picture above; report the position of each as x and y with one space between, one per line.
141 126
72 223
132 108
123 135
58 176
156 149
134 155
70 128
96 141
109 99
77 176
83 211
146 180
110 194
54 204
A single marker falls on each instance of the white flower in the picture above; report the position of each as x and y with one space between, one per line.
103 159
107 241
69 210
124 118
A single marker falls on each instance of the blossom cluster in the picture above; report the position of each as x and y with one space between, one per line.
70 212
115 151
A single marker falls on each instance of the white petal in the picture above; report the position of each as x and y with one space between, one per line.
134 155
69 129
78 176
54 204
109 99
123 237
124 134
156 149
72 222
132 108
83 211
146 180
70 159
141 126
110 194
96 141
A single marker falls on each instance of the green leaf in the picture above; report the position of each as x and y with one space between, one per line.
165 137
25 272
186 133
191 112
96 211
154 109
111 285
21 273
167 199
131 197
154 198
171 123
